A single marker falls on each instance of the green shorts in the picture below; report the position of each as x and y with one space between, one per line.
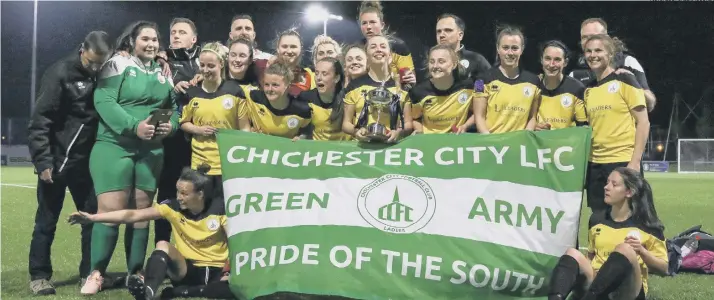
116 168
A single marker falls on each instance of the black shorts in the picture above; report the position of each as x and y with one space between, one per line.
199 275
595 181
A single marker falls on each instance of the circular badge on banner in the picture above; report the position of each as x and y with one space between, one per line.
396 203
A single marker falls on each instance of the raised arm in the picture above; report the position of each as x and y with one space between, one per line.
124 216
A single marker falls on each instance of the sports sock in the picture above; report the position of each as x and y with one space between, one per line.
612 273
137 254
128 239
104 240
563 278
156 267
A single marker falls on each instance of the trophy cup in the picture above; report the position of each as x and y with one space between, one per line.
377 101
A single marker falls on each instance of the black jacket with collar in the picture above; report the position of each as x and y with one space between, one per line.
183 63
63 126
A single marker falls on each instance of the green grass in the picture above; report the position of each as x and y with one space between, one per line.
682 201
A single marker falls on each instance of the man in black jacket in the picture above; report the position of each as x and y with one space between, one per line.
183 61
62 132
450 30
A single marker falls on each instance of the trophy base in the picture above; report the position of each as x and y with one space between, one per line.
377 133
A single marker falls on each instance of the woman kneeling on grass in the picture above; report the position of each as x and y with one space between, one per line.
625 241
201 246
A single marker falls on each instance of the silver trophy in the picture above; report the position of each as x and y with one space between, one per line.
377 101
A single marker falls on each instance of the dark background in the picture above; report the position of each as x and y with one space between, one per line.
674 41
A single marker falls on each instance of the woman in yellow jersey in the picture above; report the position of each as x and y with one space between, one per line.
626 242
371 20
200 246
506 97
273 111
212 105
617 113
326 101
355 62
324 46
443 103
356 115
561 104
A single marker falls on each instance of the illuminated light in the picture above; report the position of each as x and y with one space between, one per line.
660 147
317 13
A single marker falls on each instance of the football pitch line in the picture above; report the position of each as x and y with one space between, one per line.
24 186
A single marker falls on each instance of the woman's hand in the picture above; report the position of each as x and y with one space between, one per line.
79 217
361 134
206 131
145 131
542 126
634 166
181 87
164 129
636 244
394 135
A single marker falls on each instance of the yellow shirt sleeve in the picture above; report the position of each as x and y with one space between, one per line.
352 97
658 248
634 96
165 211
404 62
480 89
242 107
580 115
591 241
187 113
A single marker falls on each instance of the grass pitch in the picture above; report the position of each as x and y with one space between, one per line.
682 200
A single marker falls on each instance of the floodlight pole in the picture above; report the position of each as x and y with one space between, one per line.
33 72
324 27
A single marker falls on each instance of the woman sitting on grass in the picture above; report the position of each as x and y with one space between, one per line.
201 246
625 241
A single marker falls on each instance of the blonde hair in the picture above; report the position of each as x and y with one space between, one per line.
323 40
220 51
455 57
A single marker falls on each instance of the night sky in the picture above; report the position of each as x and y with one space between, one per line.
674 41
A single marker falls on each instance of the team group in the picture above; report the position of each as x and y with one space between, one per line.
98 130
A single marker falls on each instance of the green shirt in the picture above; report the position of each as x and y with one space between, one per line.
127 92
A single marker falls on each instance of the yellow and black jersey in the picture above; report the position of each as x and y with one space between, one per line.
401 56
322 128
509 100
354 96
609 104
200 238
288 123
604 234
439 111
564 105
220 109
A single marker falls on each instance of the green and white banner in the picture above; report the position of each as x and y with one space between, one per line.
433 217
